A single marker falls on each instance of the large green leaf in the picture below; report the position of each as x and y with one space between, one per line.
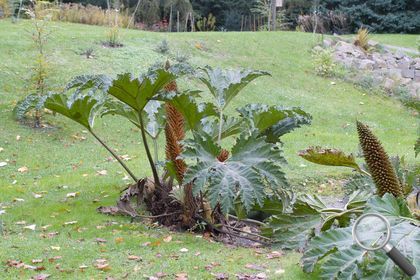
153 113
81 110
193 112
231 126
274 121
241 176
343 259
91 85
224 85
137 92
309 215
292 230
332 157
30 102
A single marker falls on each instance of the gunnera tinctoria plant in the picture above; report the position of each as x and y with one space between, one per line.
378 162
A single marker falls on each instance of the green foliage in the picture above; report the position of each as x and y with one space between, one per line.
323 62
252 166
384 16
81 110
309 215
337 256
163 47
207 23
32 104
224 85
331 157
274 121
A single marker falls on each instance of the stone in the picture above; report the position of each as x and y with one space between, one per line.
373 44
416 63
366 64
328 43
389 84
348 48
394 73
403 64
417 76
407 73
405 81
398 55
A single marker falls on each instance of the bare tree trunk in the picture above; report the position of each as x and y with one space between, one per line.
192 23
273 15
242 22
134 14
177 21
170 21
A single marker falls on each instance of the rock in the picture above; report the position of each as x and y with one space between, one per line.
389 84
416 63
366 64
407 73
348 48
373 44
328 43
398 55
405 81
394 73
403 65
417 76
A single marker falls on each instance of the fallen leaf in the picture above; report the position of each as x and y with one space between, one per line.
100 240
70 223
14 263
102 264
125 157
167 239
40 276
181 276
34 261
274 255
279 271
85 175
37 195
56 248
220 276
183 250
119 240
161 275
134 258
102 172
82 267
18 137
72 194
31 227
3 163
2 212
18 199
254 266
23 169
261 275
1 149
21 223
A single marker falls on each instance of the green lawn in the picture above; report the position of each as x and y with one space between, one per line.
60 157
407 41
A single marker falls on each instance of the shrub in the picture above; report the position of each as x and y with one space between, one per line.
113 37
163 47
323 62
207 23
32 105
362 39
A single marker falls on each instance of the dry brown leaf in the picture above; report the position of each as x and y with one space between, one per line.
102 172
31 227
254 266
220 276
100 240
70 223
274 255
41 276
134 258
119 240
3 163
34 261
55 248
23 169
183 250
181 276
73 194
18 137
167 239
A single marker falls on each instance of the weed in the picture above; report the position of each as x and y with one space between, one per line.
163 47
323 62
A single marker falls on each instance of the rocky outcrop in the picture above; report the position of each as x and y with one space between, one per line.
389 69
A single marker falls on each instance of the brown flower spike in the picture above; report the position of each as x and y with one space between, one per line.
378 162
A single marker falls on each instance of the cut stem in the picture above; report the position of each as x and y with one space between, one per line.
115 156
219 137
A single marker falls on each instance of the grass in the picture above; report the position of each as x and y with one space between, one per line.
400 40
67 156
